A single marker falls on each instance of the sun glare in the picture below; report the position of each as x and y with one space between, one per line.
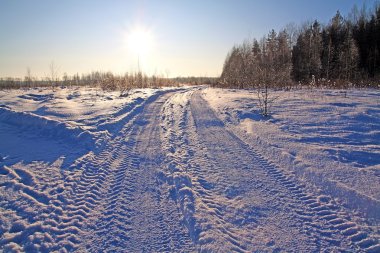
139 41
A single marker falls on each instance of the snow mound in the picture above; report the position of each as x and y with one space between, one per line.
47 127
37 97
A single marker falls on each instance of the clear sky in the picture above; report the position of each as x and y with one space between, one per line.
178 38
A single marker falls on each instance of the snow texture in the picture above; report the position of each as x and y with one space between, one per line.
189 169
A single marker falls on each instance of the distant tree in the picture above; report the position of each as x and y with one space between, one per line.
349 57
139 79
340 56
306 57
65 79
283 60
28 80
293 32
53 75
124 86
229 72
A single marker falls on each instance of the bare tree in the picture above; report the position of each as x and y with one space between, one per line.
65 79
265 99
28 78
293 31
53 75
124 86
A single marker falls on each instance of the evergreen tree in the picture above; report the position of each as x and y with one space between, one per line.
343 51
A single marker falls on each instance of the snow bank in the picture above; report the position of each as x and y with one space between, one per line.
81 106
46 127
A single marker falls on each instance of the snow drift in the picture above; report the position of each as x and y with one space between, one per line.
45 127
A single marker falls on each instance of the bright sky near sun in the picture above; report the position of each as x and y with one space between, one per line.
175 38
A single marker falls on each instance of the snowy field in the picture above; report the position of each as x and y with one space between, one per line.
189 169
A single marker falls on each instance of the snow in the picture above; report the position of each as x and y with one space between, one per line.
189 169
330 136
85 117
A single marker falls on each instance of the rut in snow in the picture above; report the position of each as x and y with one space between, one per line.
134 213
108 201
242 202
173 177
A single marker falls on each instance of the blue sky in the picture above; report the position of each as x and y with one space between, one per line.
186 37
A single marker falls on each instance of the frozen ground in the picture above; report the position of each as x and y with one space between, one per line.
190 169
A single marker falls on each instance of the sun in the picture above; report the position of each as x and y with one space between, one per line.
139 40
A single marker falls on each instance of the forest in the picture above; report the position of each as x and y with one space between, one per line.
341 54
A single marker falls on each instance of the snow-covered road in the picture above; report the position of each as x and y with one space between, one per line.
171 176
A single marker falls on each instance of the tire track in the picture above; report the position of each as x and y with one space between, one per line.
323 209
227 162
65 213
111 224
92 208
157 227
135 214
186 171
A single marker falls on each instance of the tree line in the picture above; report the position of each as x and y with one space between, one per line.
107 81
344 52
104 80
